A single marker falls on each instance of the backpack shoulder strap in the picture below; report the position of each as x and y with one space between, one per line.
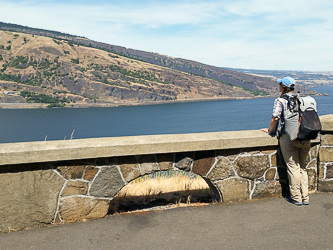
293 101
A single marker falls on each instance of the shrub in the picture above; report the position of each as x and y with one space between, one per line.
19 62
113 56
33 63
43 98
47 73
56 105
44 65
61 92
57 42
10 77
73 60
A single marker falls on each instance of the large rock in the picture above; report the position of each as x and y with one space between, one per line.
326 140
184 164
107 183
129 168
71 172
165 161
75 188
326 154
90 173
202 166
28 198
270 174
252 167
222 170
82 208
267 190
234 189
148 164
327 122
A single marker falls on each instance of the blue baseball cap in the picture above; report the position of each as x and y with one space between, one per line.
287 81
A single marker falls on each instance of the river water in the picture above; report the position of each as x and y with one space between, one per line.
19 125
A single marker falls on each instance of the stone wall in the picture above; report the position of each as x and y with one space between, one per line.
325 163
66 181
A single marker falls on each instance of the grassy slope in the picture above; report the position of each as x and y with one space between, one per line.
82 74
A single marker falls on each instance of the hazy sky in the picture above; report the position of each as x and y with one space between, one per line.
250 34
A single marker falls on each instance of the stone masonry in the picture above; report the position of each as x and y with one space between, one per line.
325 167
234 175
82 176
82 190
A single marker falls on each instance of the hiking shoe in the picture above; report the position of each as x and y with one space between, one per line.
297 203
305 203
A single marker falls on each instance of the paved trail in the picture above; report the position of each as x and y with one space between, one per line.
267 224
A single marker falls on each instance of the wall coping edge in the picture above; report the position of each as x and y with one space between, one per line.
63 150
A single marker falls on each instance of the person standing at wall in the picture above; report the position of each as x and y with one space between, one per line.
294 152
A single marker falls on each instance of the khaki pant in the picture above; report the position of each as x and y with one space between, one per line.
295 154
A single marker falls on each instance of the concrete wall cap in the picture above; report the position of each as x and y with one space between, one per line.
47 151
327 123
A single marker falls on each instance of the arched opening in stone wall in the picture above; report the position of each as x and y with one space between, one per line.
161 190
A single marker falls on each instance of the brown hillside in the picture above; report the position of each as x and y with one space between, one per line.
80 74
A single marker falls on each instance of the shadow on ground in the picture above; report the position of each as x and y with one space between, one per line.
133 203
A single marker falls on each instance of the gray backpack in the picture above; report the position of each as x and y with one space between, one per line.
301 121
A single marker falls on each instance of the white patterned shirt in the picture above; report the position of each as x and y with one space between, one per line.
279 105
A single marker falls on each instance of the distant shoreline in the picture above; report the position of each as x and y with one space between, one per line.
109 105
117 104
